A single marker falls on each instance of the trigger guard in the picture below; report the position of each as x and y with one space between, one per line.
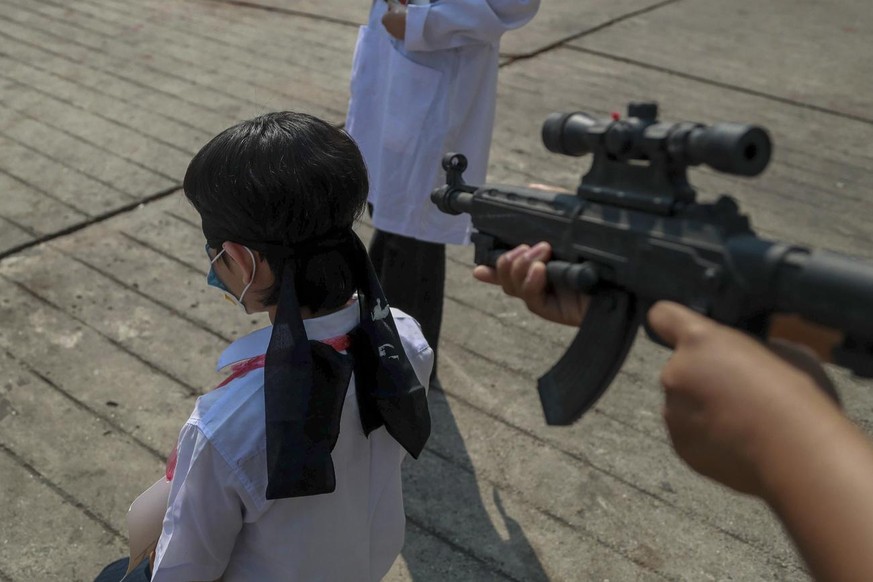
578 380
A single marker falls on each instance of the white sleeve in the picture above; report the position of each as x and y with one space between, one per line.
418 352
447 24
204 514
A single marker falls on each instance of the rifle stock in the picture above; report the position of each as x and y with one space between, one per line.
820 339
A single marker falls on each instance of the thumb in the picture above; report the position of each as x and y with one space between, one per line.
673 322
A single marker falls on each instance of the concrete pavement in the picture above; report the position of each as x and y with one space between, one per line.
108 333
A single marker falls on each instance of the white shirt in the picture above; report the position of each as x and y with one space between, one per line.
414 100
219 522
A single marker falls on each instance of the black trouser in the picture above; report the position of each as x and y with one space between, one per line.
413 276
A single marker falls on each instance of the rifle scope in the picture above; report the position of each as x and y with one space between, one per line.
732 148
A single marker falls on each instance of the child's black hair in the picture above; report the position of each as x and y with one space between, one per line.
282 178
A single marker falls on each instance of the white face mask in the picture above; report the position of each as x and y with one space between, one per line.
213 280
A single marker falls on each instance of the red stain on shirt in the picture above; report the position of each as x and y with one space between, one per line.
339 343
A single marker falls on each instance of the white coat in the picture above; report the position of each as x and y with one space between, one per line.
414 100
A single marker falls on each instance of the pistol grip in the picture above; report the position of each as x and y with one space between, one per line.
587 368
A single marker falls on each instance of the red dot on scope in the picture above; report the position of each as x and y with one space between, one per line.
616 115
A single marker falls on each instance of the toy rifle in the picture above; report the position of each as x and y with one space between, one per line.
633 233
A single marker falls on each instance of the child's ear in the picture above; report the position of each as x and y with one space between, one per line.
242 256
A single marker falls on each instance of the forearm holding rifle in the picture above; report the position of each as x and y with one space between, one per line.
634 234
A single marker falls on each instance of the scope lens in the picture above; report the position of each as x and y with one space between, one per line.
733 148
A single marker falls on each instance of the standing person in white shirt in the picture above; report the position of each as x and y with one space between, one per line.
290 469
424 82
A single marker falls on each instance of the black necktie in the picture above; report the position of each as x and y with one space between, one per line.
305 382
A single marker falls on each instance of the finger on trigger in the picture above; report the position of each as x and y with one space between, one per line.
533 288
535 281
520 267
509 257
540 251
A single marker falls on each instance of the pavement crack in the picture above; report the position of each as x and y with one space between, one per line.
188 389
586 461
165 254
461 549
170 74
94 220
167 54
27 184
563 521
108 71
82 139
722 85
66 496
130 288
567 39
287 11
98 114
159 455
503 321
71 77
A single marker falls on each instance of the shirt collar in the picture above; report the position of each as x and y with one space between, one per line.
318 328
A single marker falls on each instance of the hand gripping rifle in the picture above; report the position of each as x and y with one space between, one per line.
634 234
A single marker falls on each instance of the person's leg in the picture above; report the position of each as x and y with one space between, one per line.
377 251
413 276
